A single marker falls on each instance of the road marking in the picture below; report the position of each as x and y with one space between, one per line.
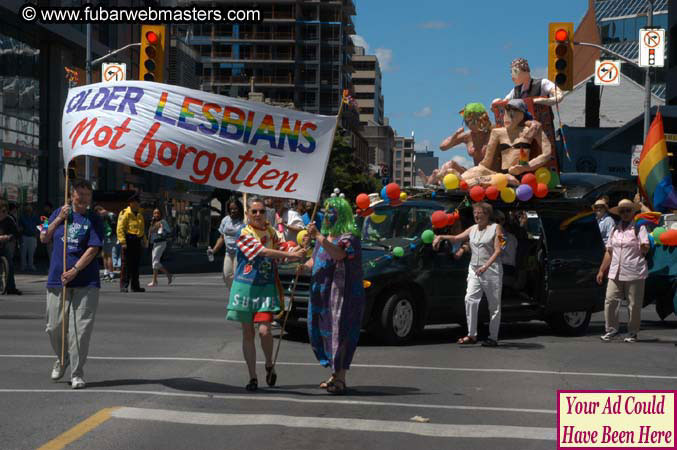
373 366
324 423
79 430
266 398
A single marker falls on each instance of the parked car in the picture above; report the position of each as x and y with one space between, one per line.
557 261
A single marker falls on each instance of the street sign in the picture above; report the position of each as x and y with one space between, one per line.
651 47
634 163
607 73
112 72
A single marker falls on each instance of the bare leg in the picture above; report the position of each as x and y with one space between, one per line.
154 281
266 342
249 348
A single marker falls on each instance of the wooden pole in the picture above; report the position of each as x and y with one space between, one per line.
298 269
63 286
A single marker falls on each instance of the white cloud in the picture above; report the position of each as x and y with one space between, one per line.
462 160
434 25
539 72
385 58
426 111
465 71
422 145
360 42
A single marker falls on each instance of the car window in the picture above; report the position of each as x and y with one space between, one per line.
403 222
582 233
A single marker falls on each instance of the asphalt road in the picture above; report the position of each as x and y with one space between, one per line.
166 371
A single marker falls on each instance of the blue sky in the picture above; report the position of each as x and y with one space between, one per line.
438 55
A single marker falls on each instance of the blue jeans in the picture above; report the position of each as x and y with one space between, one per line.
117 256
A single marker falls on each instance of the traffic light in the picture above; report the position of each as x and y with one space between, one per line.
561 54
152 56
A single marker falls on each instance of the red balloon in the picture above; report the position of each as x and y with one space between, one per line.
450 219
439 219
456 215
393 191
477 193
541 190
463 185
530 179
669 238
363 201
492 193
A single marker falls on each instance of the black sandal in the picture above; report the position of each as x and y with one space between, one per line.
337 387
326 384
253 385
271 376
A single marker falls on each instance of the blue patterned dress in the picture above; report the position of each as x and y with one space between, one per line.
336 304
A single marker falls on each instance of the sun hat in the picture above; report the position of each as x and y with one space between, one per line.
601 202
623 204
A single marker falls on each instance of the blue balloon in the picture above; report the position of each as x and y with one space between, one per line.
433 195
384 196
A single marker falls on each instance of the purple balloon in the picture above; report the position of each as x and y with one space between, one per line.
524 192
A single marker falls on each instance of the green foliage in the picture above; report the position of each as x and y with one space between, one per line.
346 173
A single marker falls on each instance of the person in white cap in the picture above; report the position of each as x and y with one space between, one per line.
605 222
625 260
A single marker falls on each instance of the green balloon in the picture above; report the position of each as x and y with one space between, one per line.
428 236
657 234
398 252
554 180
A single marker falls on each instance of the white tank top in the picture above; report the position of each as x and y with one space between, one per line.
482 244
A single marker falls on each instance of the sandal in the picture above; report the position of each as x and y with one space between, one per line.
337 387
467 340
271 376
253 385
331 380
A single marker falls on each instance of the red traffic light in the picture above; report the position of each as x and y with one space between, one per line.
152 37
561 35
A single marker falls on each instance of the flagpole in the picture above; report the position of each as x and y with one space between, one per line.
312 220
63 285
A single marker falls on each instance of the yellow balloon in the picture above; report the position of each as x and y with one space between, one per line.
508 195
543 175
500 181
450 181
403 196
299 237
377 219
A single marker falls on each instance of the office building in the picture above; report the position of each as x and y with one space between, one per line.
367 86
404 161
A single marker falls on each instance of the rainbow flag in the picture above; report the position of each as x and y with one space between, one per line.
655 180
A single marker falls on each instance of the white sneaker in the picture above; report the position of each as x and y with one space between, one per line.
77 383
609 336
631 338
58 371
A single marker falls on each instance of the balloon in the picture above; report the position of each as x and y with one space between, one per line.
375 218
477 193
669 238
428 236
393 191
337 191
433 195
362 201
541 190
508 195
403 196
299 237
499 180
384 195
530 180
554 180
657 232
450 181
463 185
398 252
492 192
543 175
524 192
451 219
439 219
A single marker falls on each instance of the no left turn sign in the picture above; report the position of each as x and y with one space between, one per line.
113 72
607 73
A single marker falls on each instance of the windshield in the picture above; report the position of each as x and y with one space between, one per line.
389 223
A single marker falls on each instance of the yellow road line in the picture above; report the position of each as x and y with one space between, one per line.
79 430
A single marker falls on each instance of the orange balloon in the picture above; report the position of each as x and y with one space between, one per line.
492 193
463 185
669 238
541 190
477 193
439 219
363 201
530 179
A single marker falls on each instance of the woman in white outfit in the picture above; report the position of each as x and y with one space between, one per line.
159 233
485 272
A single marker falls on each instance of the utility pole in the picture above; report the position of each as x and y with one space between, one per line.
647 80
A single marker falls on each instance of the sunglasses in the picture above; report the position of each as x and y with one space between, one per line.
254 212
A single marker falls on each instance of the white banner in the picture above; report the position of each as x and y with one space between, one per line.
200 137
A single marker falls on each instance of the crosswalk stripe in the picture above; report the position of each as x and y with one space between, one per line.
352 425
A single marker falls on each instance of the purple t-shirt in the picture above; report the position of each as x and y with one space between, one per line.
83 232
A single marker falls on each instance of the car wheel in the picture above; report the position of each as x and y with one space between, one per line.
574 323
398 319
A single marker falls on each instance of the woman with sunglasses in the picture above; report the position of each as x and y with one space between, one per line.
256 291
625 260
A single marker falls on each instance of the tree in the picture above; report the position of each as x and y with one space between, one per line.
345 172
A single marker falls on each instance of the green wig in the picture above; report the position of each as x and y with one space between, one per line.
473 109
345 222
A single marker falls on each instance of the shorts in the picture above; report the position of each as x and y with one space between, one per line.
248 317
108 245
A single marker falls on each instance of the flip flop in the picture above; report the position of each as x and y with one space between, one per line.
325 384
467 340
271 376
